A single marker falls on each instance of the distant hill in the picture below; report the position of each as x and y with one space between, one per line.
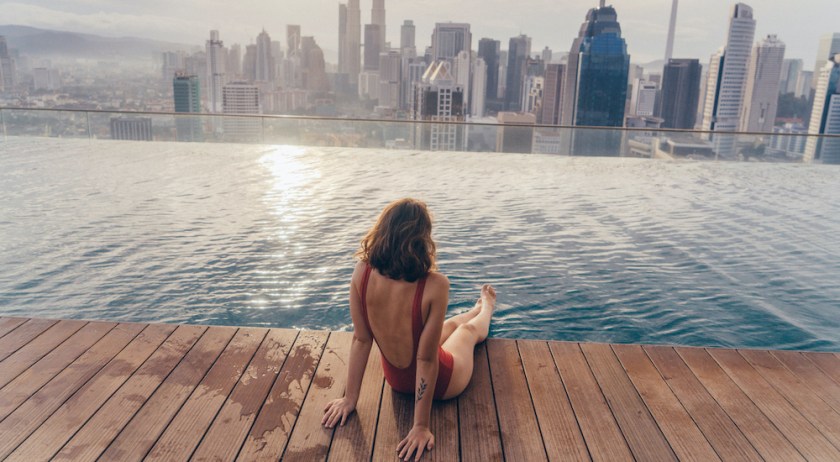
54 43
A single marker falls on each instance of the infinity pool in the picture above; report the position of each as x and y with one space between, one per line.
584 249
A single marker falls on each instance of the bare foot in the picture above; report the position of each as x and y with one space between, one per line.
488 297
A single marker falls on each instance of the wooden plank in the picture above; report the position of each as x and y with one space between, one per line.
396 414
797 393
721 432
95 436
187 428
309 439
444 426
793 425
827 362
48 344
230 427
32 379
23 335
270 433
521 438
61 425
479 423
597 424
34 411
640 430
9 324
558 425
812 376
354 441
141 433
682 433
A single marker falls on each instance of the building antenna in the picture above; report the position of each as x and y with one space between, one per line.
669 47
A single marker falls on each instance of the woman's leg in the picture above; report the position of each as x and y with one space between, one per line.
452 323
461 343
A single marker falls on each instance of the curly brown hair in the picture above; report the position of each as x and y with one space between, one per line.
400 244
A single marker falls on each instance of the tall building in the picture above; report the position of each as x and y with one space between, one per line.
488 50
265 60
761 94
478 87
313 66
292 39
643 98
672 26
390 75
552 95
532 94
462 71
790 73
547 55
241 98
407 35
519 49
234 61
726 80
249 63
438 98
373 47
829 46
7 67
595 87
131 128
215 71
680 93
825 116
449 39
186 92
172 62
803 84
377 17
349 41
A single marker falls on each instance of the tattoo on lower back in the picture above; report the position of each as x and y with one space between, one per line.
421 389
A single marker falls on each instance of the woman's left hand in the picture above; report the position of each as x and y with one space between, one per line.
420 438
337 410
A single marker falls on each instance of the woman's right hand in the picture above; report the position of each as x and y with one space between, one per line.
337 410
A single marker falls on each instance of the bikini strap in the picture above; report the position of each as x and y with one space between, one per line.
417 313
364 297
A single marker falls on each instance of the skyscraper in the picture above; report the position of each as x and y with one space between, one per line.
249 63
672 25
643 98
762 87
407 35
187 98
790 73
438 98
7 67
726 80
478 85
680 93
595 87
234 61
488 50
390 74
265 60
215 71
241 98
313 66
449 39
349 41
552 95
825 115
828 47
377 17
373 46
293 39
519 49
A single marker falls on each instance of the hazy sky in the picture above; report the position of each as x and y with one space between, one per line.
701 26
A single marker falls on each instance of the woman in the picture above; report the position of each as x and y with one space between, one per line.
399 300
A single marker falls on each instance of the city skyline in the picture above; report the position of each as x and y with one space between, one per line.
645 22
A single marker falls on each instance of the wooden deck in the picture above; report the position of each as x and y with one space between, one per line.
77 390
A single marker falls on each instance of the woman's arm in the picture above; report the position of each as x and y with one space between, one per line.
338 410
420 438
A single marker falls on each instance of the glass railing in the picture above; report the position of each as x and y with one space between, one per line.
790 144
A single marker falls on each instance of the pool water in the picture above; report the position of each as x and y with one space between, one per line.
583 249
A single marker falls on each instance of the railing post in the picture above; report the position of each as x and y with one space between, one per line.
87 118
3 121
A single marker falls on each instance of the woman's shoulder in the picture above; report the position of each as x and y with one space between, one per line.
437 280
